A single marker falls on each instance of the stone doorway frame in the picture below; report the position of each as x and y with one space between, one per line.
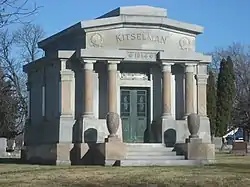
149 101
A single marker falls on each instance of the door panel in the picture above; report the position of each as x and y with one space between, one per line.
134 113
125 113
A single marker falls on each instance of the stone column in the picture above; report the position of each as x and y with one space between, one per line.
189 89
167 89
112 86
88 88
66 91
201 81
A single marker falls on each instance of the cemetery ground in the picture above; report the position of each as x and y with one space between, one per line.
229 170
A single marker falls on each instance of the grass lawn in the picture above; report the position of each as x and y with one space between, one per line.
230 171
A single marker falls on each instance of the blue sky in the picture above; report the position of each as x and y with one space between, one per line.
225 21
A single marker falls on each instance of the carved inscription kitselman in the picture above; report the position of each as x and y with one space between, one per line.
141 37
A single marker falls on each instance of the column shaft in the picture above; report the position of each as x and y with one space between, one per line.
112 87
189 89
88 88
167 89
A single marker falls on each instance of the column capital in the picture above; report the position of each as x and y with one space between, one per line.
112 65
113 61
88 64
189 68
166 67
201 78
87 61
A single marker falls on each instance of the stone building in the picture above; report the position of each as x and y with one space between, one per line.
134 61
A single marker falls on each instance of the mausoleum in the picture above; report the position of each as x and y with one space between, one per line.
134 61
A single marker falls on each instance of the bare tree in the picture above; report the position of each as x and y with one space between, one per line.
240 55
13 11
27 38
24 40
12 70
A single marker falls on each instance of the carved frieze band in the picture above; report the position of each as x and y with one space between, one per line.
141 55
96 40
134 76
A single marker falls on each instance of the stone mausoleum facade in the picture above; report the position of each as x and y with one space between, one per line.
134 61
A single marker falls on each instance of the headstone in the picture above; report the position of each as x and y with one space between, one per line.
3 145
11 144
217 142
239 148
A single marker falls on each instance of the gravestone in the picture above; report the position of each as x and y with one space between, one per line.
3 146
217 141
239 148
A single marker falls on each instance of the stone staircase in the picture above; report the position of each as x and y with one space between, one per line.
153 154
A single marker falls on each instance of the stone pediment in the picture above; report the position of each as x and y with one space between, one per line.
135 27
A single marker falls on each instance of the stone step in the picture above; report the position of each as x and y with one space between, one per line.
145 145
154 157
149 162
152 153
145 149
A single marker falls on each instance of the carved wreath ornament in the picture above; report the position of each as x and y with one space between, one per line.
96 40
185 44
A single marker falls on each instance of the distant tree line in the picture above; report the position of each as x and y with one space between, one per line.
17 47
228 89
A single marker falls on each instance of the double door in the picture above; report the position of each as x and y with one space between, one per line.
134 114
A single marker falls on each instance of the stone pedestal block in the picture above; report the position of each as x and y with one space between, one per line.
114 149
196 150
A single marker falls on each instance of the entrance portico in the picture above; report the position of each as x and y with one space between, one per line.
132 76
133 61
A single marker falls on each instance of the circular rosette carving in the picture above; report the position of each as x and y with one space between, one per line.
96 40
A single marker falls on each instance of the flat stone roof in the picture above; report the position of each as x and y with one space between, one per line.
140 10
140 15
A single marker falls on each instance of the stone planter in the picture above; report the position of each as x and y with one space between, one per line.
193 122
112 121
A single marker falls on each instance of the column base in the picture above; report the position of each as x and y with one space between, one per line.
88 115
167 116
201 116
204 117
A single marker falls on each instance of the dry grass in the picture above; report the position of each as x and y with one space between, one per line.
230 171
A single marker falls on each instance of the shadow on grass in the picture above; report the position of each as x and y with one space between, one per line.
134 182
32 170
11 161
105 183
233 167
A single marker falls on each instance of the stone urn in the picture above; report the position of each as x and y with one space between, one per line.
112 121
193 122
